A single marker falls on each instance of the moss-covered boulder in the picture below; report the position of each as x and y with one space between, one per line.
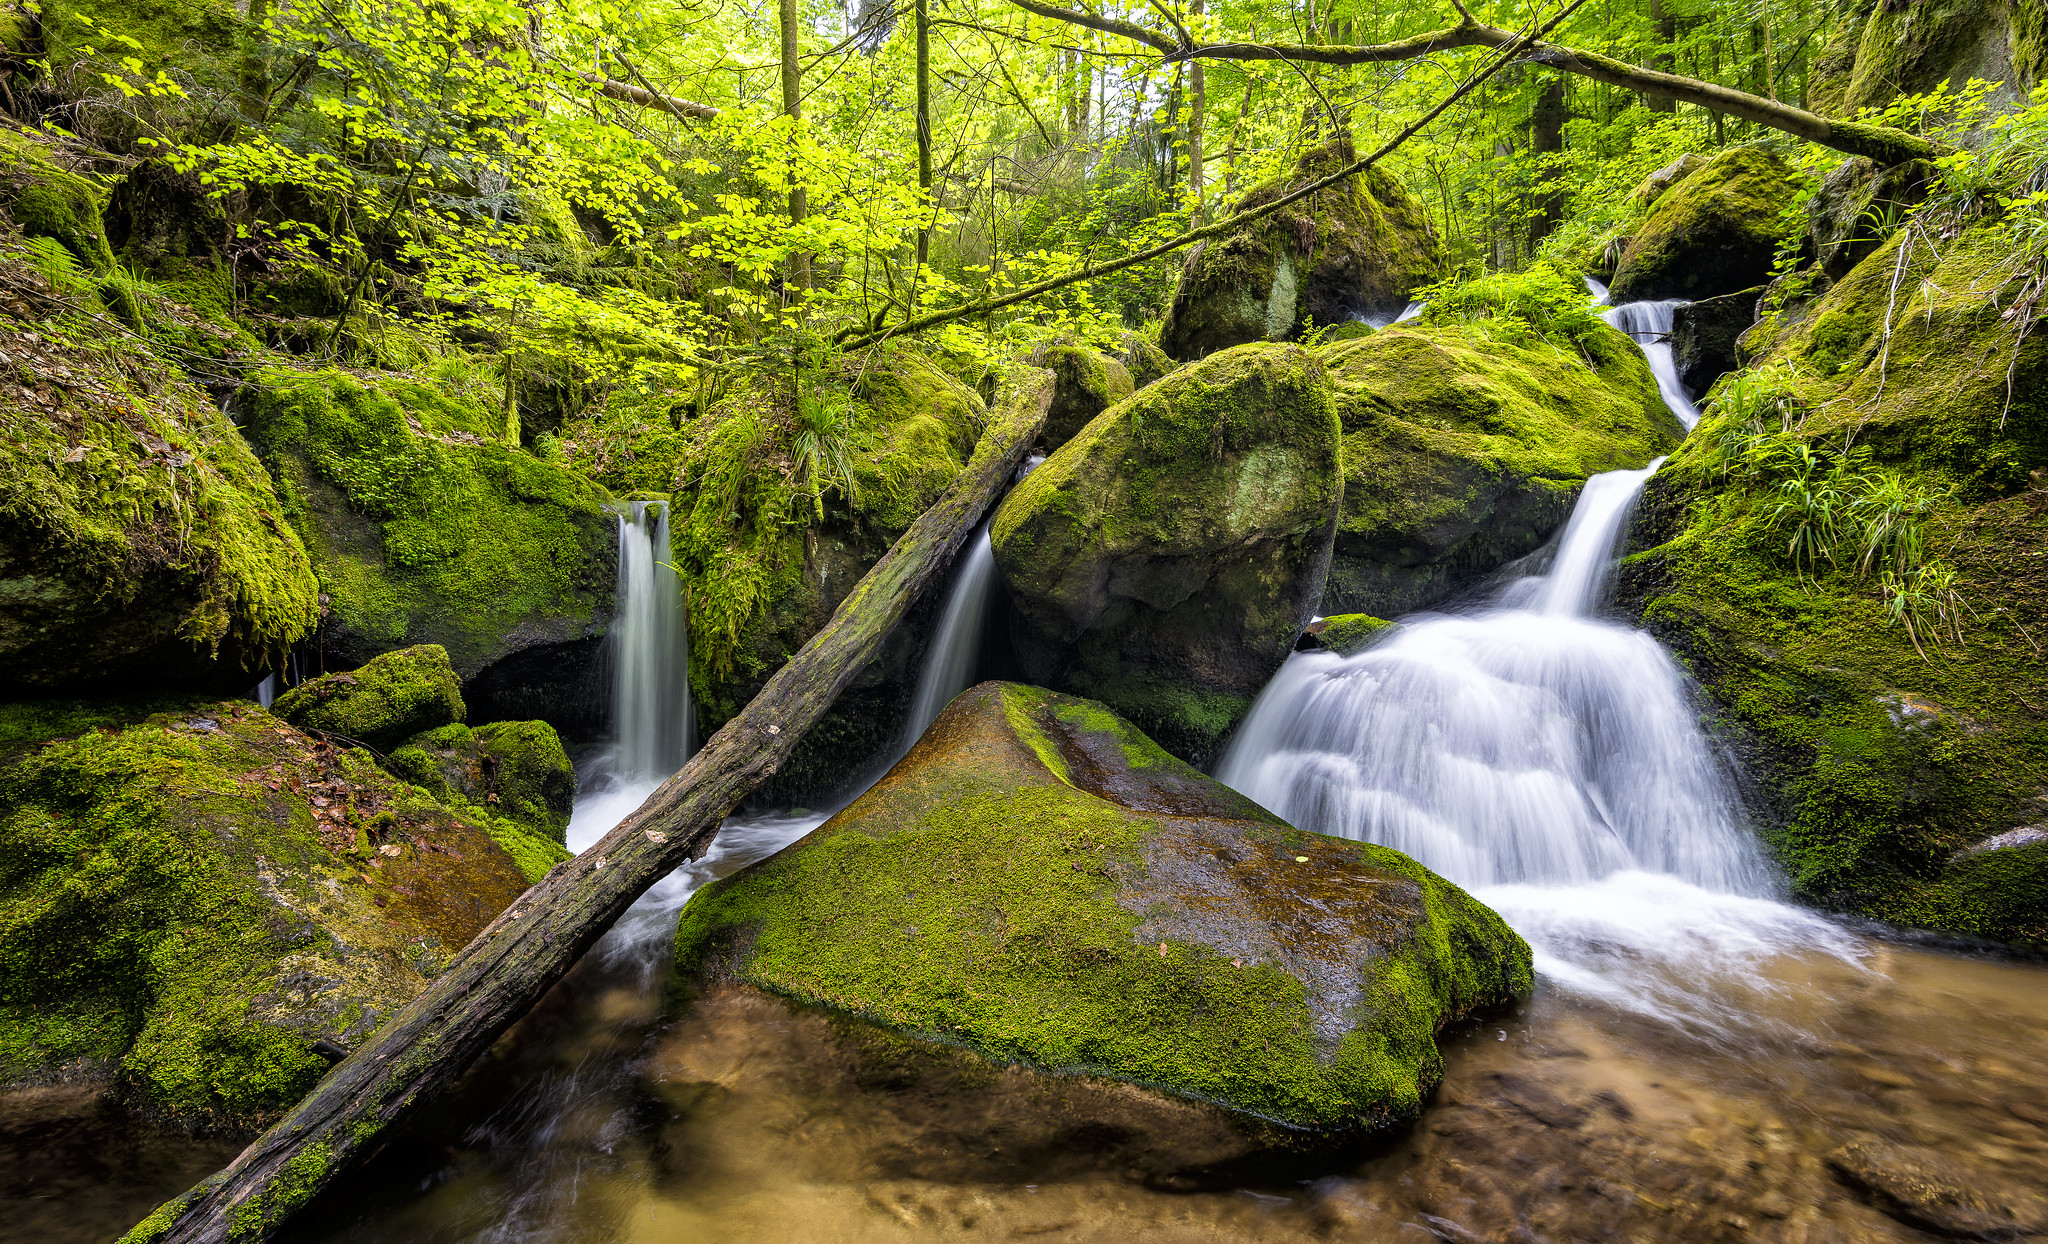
47 200
390 698
208 907
517 769
1085 383
1464 447
1360 248
1714 233
1165 559
141 541
1881 51
1705 336
1143 358
428 524
1892 776
1040 883
1346 633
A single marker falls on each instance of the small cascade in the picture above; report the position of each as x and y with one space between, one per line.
650 652
1596 289
1649 325
1408 312
955 651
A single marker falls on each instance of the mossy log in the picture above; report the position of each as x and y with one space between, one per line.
533 943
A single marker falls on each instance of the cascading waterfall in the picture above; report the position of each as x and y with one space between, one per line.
1550 761
1648 324
651 718
955 650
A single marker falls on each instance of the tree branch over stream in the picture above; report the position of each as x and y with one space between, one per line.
1881 143
502 972
1219 228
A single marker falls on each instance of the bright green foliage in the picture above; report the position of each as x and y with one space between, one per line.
994 892
394 696
176 911
1543 302
424 524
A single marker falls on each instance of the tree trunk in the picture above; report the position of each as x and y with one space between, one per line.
534 942
924 141
1661 59
1198 106
1546 138
793 108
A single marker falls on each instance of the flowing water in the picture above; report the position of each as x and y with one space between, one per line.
1648 324
649 651
955 649
1699 1062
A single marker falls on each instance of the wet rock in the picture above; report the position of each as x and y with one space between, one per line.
1882 51
1165 560
1144 360
391 698
1345 633
1463 452
1858 206
1704 333
1040 883
1359 249
1928 1189
1085 383
202 906
516 769
1715 233
1661 182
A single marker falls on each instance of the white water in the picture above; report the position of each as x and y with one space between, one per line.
1550 761
650 652
1649 325
1408 312
955 650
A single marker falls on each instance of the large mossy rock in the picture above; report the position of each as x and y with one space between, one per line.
1464 449
1894 785
1165 559
1714 233
1881 51
1358 249
389 698
46 200
1085 383
518 769
428 524
141 541
1040 883
207 907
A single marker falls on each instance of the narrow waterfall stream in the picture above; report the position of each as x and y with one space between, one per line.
1649 324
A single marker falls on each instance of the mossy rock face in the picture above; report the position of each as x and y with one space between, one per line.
1843 219
1144 360
1881 773
1714 233
207 907
1704 336
141 541
1360 248
48 201
1886 50
1166 559
1085 383
427 523
390 698
1347 633
1661 182
1462 453
517 769
1041 884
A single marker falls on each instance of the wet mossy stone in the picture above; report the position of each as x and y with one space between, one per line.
1347 633
1085 383
427 522
1880 773
1463 452
1040 883
517 769
1704 336
382 702
1714 233
1144 359
208 907
1166 558
48 201
143 546
1359 248
1661 182
1883 51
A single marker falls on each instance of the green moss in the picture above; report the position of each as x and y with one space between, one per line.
1346 633
992 893
391 698
186 904
1715 233
1085 383
47 201
423 529
516 770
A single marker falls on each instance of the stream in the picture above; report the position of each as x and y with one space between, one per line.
1700 1060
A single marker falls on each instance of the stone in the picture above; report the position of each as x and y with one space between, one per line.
1704 336
516 769
1714 233
1359 249
1929 1189
380 703
1144 360
1657 184
1085 383
1858 206
1039 883
1345 633
1165 559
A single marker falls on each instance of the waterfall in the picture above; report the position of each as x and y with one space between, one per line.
1546 758
955 650
1408 312
650 651
1596 289
1649 325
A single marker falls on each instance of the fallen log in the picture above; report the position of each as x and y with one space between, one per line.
508 966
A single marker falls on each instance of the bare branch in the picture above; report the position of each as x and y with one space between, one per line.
626 92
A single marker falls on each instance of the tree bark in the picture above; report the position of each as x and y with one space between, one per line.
924 137
534 942
1198 106
627 93
1885 145
793 108
1662 60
